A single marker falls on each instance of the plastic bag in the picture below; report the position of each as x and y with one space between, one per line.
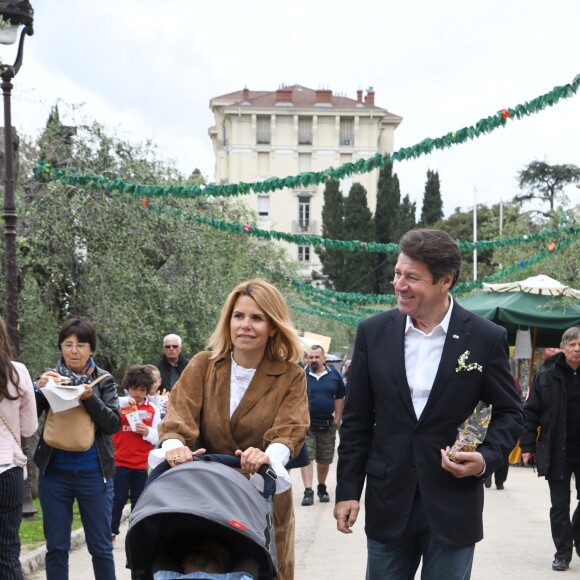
472 431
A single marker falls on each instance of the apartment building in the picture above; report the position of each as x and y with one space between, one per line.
261 134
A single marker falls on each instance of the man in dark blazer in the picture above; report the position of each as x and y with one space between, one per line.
417 373
172 363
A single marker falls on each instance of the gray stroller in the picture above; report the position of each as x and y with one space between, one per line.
203 499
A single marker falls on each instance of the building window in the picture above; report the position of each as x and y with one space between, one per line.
303 211
304 253
304 130
346 138
304 162
263 130
224 136
264 205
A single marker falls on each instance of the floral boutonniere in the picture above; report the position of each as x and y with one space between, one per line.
463 366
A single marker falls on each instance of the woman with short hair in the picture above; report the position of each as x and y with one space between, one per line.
84 476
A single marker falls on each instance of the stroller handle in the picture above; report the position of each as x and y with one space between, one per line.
268 474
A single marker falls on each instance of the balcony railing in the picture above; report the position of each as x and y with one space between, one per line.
304 227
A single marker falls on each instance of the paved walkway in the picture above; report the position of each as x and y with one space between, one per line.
517 543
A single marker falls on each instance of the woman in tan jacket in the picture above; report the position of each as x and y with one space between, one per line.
246 396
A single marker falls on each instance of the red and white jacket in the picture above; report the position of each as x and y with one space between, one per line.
132 449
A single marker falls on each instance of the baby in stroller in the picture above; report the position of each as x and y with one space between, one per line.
203 558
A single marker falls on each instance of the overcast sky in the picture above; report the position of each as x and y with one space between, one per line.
148 69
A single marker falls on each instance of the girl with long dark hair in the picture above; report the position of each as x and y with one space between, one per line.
17 419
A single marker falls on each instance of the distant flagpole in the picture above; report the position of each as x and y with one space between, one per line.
474 233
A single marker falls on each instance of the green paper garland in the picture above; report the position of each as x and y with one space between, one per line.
349 245
462 288
483 126
345 319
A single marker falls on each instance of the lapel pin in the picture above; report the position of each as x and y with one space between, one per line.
455 336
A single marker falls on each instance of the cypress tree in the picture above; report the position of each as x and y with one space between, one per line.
387 225
407 215
332 227
432 210
358 225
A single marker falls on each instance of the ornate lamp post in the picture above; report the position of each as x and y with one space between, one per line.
14 13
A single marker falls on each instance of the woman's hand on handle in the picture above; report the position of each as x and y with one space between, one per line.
179 455
252 459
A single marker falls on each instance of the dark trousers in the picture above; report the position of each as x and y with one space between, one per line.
563 532
500 474
399 560
58 490
11 498
129 483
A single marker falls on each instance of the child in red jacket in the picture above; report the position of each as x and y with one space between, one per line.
136 438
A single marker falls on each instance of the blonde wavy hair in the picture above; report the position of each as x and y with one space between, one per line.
284 345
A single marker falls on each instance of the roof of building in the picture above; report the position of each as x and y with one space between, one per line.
301 97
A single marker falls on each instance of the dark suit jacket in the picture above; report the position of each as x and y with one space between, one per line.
382 440
164 367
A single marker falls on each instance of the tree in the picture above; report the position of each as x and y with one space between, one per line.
407 215
358 267
561 263
387 225
545 182
138 270
432 210
459 225
332 228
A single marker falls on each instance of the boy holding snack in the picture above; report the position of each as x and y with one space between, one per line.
136 438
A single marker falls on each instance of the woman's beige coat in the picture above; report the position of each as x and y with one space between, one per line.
274 409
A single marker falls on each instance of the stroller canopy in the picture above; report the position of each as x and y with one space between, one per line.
206 499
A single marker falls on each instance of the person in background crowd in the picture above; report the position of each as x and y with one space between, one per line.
554 405
325 401
500 476
246 396
303 362
84 476
172 363
17 419
134 441
417 373
160 401
342 365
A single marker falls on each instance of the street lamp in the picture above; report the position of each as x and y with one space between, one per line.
14 13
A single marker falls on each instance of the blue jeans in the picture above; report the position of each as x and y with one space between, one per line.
399 560
128 483
57 491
